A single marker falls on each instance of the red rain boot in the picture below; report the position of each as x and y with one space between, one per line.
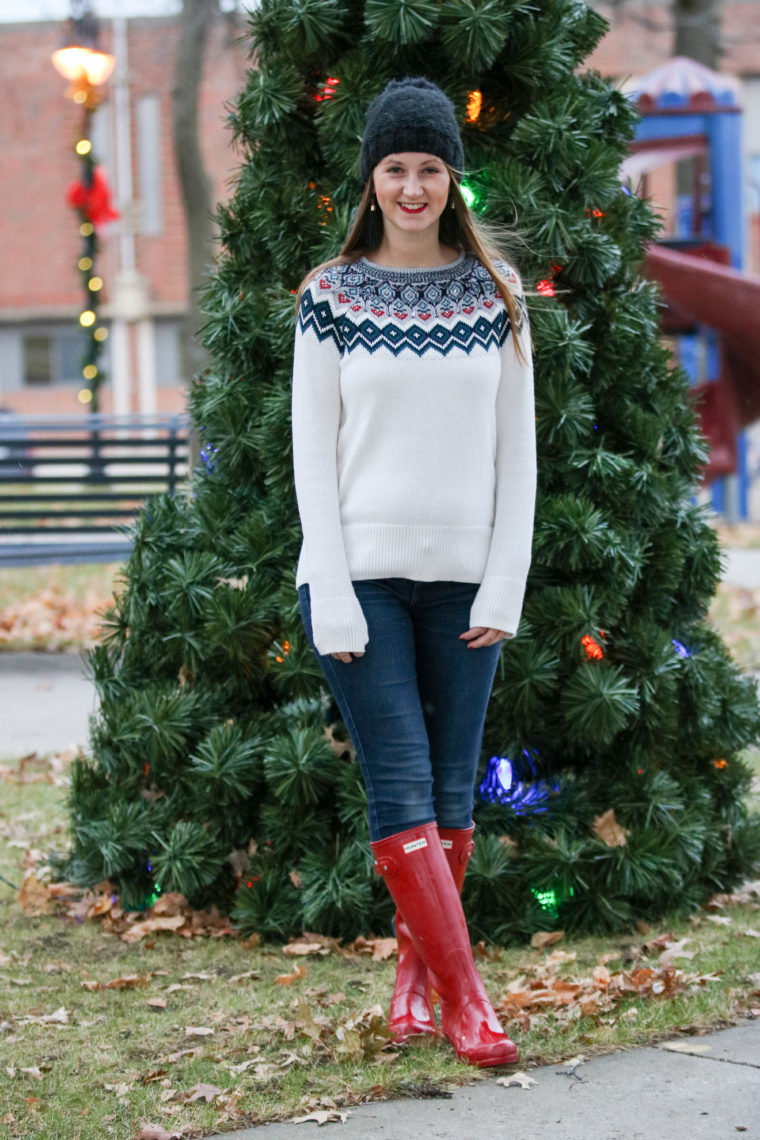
421 884
411 1012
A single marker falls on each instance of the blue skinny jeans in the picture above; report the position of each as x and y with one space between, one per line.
415 703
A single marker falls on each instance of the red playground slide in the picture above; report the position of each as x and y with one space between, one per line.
698 288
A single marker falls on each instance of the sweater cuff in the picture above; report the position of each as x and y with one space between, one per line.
338 625
498 604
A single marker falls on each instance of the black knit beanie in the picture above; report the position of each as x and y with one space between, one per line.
410 114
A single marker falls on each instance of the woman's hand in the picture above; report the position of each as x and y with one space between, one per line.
345 656
482 636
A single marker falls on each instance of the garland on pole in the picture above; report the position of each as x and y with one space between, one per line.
80 60
91 197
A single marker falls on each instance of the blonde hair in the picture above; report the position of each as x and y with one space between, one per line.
458 228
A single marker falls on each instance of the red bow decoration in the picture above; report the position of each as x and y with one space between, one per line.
94 201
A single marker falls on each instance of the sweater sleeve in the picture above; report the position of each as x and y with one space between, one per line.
338 622
498 602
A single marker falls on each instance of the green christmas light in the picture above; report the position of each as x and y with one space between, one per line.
549 900
471 196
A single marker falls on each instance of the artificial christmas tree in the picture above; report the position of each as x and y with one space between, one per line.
612 783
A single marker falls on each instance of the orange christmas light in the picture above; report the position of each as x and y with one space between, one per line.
474 105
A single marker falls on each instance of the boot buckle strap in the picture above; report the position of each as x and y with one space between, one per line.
386 866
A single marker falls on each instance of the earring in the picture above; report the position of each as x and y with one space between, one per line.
452 204
374 231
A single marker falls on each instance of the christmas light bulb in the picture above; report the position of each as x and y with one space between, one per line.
86 229
101 334
474 104
84 396
94 284
85 263
84 146
468 194
87 318
90 371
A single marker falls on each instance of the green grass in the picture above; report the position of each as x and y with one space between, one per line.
79 581
113 1037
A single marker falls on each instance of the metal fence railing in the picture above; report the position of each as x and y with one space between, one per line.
67 483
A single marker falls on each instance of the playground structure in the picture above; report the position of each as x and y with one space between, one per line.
689 111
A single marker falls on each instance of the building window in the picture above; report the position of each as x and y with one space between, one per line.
37 362
149 164
55 357
167 354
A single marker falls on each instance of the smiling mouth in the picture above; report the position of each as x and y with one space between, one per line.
413 209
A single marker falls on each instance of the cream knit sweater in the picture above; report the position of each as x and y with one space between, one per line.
414 442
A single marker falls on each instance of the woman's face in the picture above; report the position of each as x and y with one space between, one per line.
412 190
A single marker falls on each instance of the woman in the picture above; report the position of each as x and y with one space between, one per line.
415 471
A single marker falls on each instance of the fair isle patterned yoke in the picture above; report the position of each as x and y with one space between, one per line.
441 309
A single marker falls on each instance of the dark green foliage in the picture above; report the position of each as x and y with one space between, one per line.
220 766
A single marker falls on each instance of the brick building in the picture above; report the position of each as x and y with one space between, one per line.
40 290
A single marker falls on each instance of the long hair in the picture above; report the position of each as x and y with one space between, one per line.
458 228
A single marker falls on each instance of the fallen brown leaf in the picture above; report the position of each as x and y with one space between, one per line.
203 1092
546 938
322 1116
607 828
521 1079
660 942
379 948
33 897
288 979
293 949
150 925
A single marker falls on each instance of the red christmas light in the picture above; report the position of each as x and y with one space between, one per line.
546 286
328 88
593 648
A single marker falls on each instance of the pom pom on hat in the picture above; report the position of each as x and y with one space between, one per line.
410 114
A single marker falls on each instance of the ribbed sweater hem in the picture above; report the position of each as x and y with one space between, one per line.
422 553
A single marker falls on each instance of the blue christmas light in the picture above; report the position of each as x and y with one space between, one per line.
681 649
206 453
499 786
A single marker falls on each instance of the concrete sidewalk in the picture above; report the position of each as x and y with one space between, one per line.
45 701
709 1089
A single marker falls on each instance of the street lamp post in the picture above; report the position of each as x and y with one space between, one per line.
81 61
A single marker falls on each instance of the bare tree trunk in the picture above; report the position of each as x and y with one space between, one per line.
696 34
195 184
697 30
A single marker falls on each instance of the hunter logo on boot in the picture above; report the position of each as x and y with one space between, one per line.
415 845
